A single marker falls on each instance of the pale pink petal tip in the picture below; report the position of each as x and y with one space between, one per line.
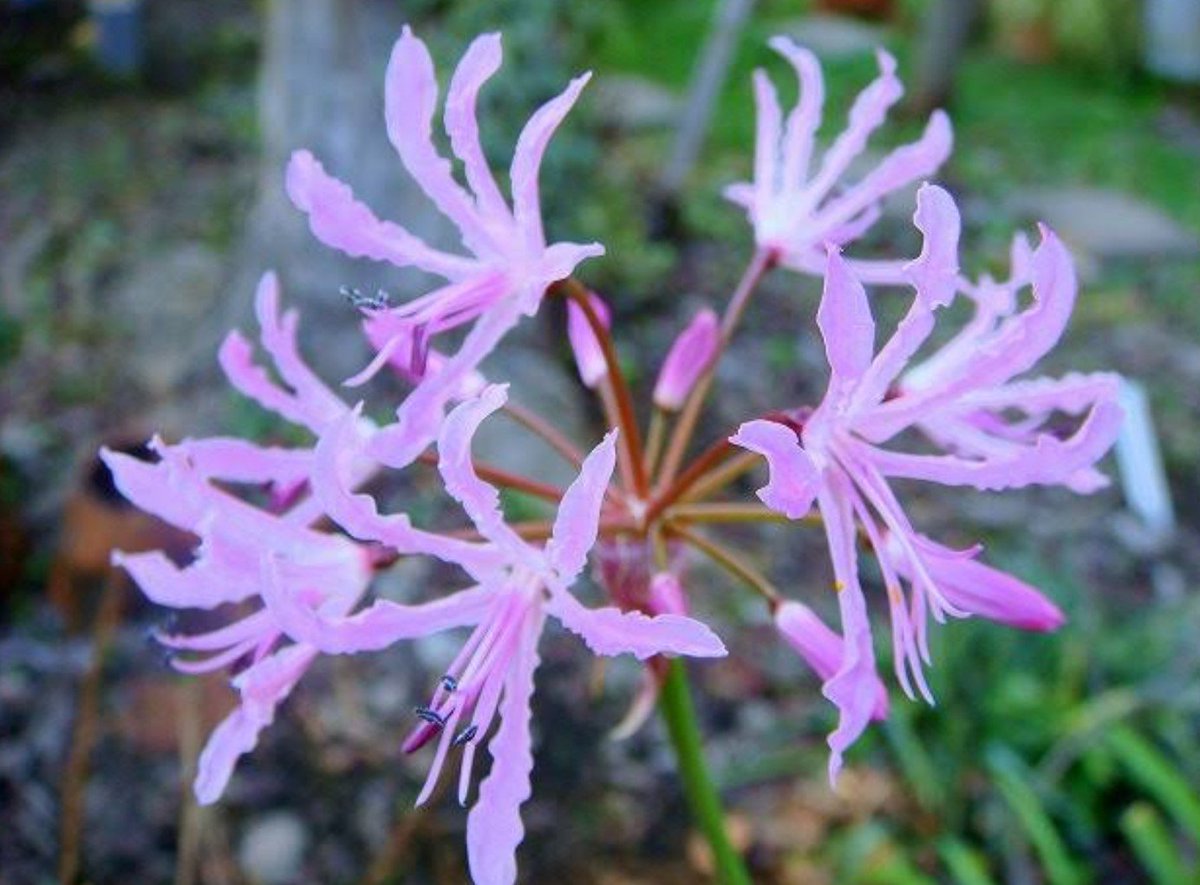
794 479
689 357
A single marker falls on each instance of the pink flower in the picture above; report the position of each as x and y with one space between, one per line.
493 674
589 355
508 264
329 572
797 208
839 461
688 359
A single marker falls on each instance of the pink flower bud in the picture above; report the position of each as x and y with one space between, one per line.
821 648
689 356
666 595
589 356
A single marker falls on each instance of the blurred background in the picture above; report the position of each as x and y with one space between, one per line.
142 147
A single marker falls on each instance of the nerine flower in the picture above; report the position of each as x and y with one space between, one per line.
493 674
839 462
328 572
508 263
796 204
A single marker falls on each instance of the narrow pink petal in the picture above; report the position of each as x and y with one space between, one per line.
527 161
820 647
934 272
480 500
853 688
253 626
264 686
866 115
376 627
1019 342
420 415
336 472
410 98
236 357
688 358
847 327
1074 393
494 827
805 118
560 259
768 126
793 478
901 167
478 64
234 737
341 222
192 587
589 355
610 631
1047 460
578 519
238 460
278 335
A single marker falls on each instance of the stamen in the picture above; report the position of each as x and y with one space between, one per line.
465 736
381 300
449 683
433 717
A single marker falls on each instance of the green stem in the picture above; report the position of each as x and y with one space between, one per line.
676 706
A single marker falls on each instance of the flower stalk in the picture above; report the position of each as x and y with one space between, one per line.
678 712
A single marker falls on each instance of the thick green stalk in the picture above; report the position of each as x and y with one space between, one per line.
676 706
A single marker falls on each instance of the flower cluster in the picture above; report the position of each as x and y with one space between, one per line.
290 537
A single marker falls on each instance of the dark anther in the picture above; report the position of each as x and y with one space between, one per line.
431 716
449 683
379 301
465 736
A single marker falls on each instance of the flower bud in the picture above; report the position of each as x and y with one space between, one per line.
589 356
666 595
689 356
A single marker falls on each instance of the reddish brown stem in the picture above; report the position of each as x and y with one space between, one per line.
710 458
631 438
500 477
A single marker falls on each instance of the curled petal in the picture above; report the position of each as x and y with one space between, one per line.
794 479
578 518
527 160
480 500
263 687
410 98
341 222
339 465
847 327
479 63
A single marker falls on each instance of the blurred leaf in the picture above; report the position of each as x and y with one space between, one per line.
1158 776
1146 832
919 770
966 865
1012 781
